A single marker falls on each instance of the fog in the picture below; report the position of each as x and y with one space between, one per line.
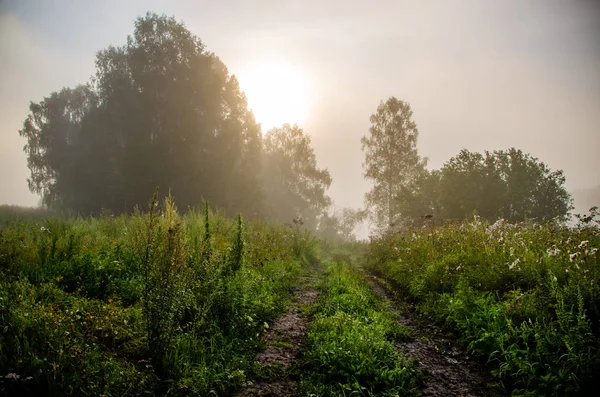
479 75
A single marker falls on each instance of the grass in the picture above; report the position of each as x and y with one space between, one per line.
152 303
526 297
350 349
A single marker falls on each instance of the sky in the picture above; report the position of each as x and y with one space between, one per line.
479 75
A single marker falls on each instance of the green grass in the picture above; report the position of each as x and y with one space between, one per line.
526 297
350 348
154 302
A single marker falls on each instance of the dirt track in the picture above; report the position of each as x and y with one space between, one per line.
451 372
284 339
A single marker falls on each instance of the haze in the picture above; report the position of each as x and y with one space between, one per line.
479 75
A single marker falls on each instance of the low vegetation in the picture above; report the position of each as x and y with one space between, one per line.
152 303
526 297
350 349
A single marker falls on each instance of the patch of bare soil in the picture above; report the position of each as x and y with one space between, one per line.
284 339
451 371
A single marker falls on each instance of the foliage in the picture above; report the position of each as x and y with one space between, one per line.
391 160
152 303
508 185
340 224
525 296
294 185
350 342
504 184
160 111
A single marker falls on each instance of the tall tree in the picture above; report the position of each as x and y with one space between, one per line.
471 181
533 190
294 185
160 111
503 184
419 201
392 162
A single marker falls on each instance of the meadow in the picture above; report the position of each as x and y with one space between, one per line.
152 303
525 298
164 303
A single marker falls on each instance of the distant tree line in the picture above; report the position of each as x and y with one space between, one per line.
163 111
507 184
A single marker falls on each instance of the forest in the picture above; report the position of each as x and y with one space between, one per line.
179 249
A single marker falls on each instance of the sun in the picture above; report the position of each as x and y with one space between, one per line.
277 93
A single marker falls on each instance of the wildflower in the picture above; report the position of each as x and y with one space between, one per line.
555 279
573 256
569 241
583 244
515 263
501 240
512 251
553 251
593 250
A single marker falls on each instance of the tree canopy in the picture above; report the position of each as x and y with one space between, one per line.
506 184
392 161
294 185
160 111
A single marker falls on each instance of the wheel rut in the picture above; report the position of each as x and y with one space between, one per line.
284 339
450 370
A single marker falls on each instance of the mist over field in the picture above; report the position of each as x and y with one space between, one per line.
318 198
478 75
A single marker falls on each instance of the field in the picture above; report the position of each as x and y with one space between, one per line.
162 303
153 302
525 298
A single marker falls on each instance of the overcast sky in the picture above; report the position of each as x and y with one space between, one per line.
480 75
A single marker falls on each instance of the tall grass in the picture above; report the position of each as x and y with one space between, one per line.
155 302
525 297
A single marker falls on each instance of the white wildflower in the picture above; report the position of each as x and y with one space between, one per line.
515 263
593 251
512 251
573 256
553 251
569 241
583 244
